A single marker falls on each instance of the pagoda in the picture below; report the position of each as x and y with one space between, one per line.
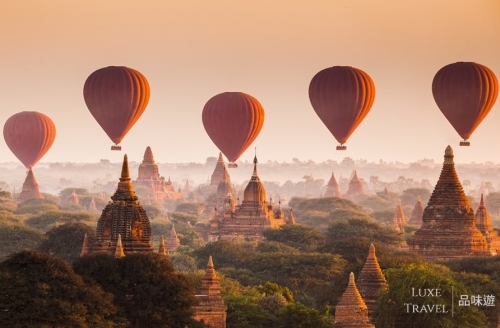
172 241
351 311
249 218
162 250
210 309
73 198
417 213
448 230
219 172
399 214
149 177
291 218
124 217
333 188
370 280
355 186
30 188
92 206
483 223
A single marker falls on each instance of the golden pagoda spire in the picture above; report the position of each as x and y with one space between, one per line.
210 282
351 309
85 246
125 191
119 247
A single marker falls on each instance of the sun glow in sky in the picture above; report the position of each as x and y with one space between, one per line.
192 50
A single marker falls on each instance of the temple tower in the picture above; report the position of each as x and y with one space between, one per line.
73 198
162 250
351 311
30 188
291 218
370 280
333 188
483 223
124 217
448 230
218 173
210 308
172 241
417 214
92 207
399 214
355 186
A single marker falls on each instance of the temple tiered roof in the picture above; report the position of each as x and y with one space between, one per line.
399 213
351 311
370 280
30 188
333 188
448 229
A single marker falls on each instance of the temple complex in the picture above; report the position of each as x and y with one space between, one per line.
370 280
73 198
172 241
417 213
210 309
30 188
333 188
351 311
355 186
483 223
448 229
124 217
149 177
247 219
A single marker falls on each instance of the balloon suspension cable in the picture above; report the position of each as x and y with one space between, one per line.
116 147
341 147
464 143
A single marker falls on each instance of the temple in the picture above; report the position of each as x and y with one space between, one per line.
172 241
124 217
351 311
333 188
210 309
370 280
30 188
291 218
399 214
483 223
417 214
162 250
73 198
355 186
248 219
92 207
149 177
448 229
219 174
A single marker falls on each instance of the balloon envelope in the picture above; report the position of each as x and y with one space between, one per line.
465 93
29 136
116 96
341 96
233 120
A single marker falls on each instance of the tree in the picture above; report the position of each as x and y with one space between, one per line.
298 315
492 202
224 254
301 237
147 289
40 291
395 304
15 238
65 241
410 196
48 220
270 288
36 206
65 194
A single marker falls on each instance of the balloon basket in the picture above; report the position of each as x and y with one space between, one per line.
341 147
116 147
464 143
232 165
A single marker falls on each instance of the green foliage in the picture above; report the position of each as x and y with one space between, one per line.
190 208
52 198
322 204
15 238
224 254
298 236
147 289
245 312
275 247
71 207
65 241
66 193
182 262
483 265
376 203
359 228
270 288
190 238
177 217
272 303
347 214
40 291
152 211
244 276
409 196
7 217
298 315
36 206
392 307
385 216
492 202
47 221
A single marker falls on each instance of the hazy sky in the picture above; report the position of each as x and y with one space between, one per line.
192 50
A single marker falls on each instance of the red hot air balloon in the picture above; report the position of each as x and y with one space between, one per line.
29 136
341 96
116 96
233 120
465 93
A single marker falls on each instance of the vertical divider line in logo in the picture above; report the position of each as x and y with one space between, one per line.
452 292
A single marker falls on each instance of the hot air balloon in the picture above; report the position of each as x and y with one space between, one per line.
233 120
116 96
29 136
465 93
341 96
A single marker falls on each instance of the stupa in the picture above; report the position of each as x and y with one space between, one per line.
210 308
162 250
355 186
73 198
124 217
30 188
399 214
172 241
351 311
417 213
370 280
448 230
92 207
483 223
333 188
291 218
